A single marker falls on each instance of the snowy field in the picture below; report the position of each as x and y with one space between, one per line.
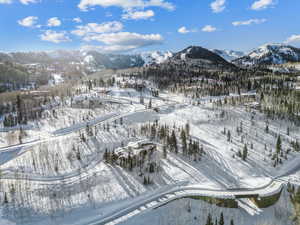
61 177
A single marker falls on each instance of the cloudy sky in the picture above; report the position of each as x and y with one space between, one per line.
118 26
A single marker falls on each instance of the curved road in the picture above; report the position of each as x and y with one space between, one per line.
165 196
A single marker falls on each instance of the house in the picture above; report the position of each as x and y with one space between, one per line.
140 148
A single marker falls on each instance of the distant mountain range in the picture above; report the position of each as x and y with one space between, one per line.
94 60
229 55
269 54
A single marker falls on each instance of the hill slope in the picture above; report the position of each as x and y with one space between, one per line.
199 56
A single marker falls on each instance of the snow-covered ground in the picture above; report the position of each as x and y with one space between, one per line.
60 177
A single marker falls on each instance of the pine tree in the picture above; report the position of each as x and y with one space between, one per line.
19 108
165 152
5 198
228 135
162 133
106 156
187 129
174 142
278 145
221 221
262 96
267 129
245 153
183 141
150 104
145 182
209 220
153 132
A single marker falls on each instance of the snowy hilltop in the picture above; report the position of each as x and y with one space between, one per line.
270 54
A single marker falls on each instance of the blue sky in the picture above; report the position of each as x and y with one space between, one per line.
145 25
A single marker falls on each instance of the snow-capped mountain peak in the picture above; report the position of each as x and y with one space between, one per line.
156 57
271 54
229 55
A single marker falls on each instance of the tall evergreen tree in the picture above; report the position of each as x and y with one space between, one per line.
267 129
183 141
245 153
165 153
278 145
5 198
174 142
228 135
221 221
209 220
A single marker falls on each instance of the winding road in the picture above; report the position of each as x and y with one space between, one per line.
168 194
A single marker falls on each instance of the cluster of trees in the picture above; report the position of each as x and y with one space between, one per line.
174 139
244 153
26 108
144 160
198 81
210 221
282 103
144 163
98 82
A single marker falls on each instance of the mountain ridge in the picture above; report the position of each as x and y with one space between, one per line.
268 54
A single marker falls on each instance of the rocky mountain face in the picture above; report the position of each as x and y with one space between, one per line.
270 54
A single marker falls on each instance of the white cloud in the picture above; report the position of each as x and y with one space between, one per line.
77 20
138 15
209 28
124 41
26 2
218 6
109 48
125 4
55 37
248 22
29 21
262 4
54 22
184 30
5 1
92 28
126 38
293 39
